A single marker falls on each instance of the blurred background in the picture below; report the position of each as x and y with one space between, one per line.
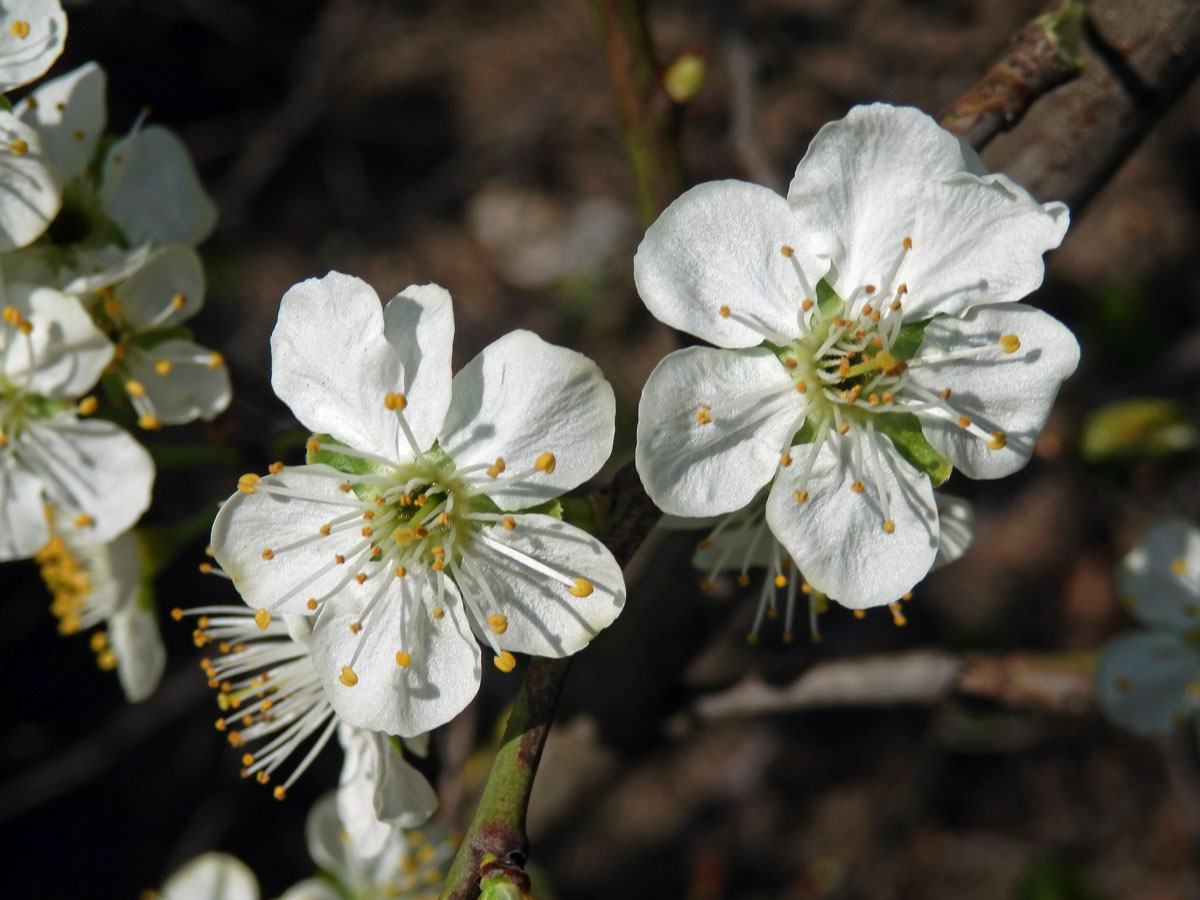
476 145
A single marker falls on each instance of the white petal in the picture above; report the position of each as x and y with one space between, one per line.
977 240
69 351
166 290
419 324
1143 681
92 269
378 790
212 876
69 113
312 889
1159 579
192 389
324 835
542 616
719 245
997 391
956 528
520 398
151 190
443 672
837 537
90 466
331 363
249 524
861 179
30 194
23 526
692 468
25 59
141 657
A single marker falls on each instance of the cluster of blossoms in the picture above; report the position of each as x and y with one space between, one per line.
867 342
97 275
1149 681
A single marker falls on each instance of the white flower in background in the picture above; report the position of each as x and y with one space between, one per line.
421 520
169 378
408 865
742 540
272 697
95 584
141 188
32 34
94 474
30 196
871 342
1149 681
210 876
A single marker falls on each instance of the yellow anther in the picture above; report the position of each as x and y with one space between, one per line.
790 363
743 580
404 536
860 613
348 678
215 360
268 553
312 603
801 387
498 623
857 487
325 529
11 315
703 416
83 520
785 459
509 522
843 428
403 660
400 571
788 637
1178 566
339 559
247 482
964 422
496 468
367 531
179 301
247 759
20 29
443 518
275 468
395 402
786 250
546 463
505 662
355 627
18 147
752 639
112 307
705 585
780 581
873 399
135 388
884 361
725 312
907 242
889 525
801 496
438 612
583 588
888 397
98 641
149 422
870 288
346 488
420 532
998 440
312 445
106 660
806 304
279 793
177 614
438 565
1010 343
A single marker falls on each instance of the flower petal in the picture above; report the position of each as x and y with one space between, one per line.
151 189
543 616
23 526
69 351
712 425
141 657
520 398
378 790
30 194
312 889
719 245
977 240
956 528
89 466
1159 579
284 515
32 33
861 180
166 290
419 324
1148 681
331 363
996 390
211 876
196 386
443 671
69 113
837 538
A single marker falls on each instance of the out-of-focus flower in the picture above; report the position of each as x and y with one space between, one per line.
1149 681
870 341
426 510
211 876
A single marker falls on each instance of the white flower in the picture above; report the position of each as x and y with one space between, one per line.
872 341
211 876
32 33
104 583
378 790
143 188
420 521
408 865
742 540
1149 681
92 472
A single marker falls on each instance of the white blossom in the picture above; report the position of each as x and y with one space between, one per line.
869 339
211 876
425 515
32 33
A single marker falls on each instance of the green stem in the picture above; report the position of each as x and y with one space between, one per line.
648 117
